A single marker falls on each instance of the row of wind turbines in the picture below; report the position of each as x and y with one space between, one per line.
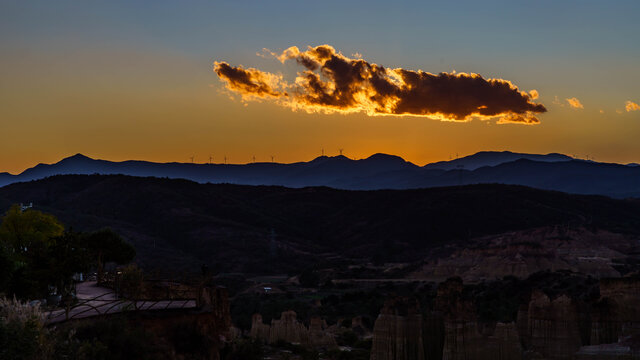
253 158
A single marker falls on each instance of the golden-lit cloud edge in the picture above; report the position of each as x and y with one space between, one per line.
334 83
574 103
631 106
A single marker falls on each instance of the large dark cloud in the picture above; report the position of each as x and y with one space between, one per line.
332 82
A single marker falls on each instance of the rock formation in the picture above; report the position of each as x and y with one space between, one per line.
525 252
451 331
617 313
504 343
466 338
546 328
318 334
357 326
461 335
289 329
259 330
552 326
397 333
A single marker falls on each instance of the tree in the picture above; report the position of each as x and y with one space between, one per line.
7 266
26 232
68 255
105 246
26 238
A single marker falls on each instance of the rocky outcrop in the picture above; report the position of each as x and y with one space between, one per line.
215 300
522 324
552 326
547 328
617 313
397 333
522 253
318 334
450 332
259 330
465 337
462 339
504 343
358 327
433 335
288 329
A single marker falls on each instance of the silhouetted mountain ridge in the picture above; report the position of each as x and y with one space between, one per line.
379 171
493 158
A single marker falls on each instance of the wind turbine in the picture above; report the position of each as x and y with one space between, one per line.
340 151
271 158
210 159
191 159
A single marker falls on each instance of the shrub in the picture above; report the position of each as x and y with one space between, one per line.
22 331
131 282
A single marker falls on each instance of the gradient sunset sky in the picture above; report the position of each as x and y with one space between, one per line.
123 80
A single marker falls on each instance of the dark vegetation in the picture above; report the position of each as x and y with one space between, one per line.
179 224
118 337
39 257
110 338
335 304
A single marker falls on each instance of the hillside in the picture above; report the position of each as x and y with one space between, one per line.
182 224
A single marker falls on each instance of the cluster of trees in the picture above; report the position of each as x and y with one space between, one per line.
37 254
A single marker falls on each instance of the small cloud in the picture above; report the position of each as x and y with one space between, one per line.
619 111
574 103
357 55
601 111
631 106
534 94
557 101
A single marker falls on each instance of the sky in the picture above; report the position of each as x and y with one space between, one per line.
121 80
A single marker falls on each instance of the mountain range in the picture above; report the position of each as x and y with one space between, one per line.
379 171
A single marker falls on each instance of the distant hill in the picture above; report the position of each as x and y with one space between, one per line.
493 158
180 224
379 171
324 170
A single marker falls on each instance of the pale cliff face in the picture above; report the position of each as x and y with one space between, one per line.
522 253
